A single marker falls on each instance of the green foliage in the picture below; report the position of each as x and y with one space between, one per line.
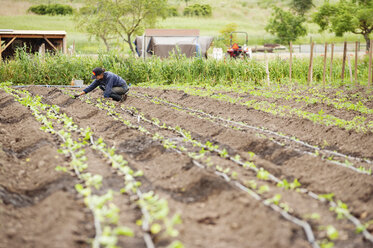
346 16
286 26
301 6
172 11
60 69
51 9
198 10
116 19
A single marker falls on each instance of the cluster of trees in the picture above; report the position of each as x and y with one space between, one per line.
110 20
354 16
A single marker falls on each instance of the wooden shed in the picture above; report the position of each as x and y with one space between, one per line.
34 40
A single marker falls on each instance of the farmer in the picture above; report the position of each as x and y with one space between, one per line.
113 85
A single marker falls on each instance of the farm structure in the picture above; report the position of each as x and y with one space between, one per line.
33 40
163 42
254 167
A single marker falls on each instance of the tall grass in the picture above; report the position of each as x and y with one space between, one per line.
60 69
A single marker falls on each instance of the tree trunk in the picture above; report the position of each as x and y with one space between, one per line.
106 44
130 43
367 39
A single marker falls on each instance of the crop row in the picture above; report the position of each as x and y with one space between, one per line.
324 154
309 95
339 207
315 96
358 123
105 212
204 161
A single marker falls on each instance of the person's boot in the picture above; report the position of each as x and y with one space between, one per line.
124 97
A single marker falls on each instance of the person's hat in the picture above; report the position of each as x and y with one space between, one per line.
97 71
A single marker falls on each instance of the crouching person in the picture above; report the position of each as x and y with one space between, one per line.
113 85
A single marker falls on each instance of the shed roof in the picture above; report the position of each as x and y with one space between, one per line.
36 32
171 32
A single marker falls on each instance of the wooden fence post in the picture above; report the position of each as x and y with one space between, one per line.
324 70
344 60
370 63
310 68
291 60
350 69
331 62
267 69
356 58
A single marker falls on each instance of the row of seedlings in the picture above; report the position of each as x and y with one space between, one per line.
154 210
280 138
170 143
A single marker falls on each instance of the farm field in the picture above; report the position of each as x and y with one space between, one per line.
182 166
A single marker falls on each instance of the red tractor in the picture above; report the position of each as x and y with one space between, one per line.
236 51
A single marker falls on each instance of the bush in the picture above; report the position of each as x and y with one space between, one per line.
51 9
172 11
198 10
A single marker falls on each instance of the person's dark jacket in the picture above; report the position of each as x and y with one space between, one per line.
109 81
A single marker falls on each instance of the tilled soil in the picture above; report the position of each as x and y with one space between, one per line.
215 213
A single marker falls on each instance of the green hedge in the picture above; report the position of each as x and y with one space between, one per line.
61 69
198 10
51 9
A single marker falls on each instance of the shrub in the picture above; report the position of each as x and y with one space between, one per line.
198 10
172 11
51 9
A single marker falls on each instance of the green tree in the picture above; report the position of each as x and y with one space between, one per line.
355 16
96 24
286 26
301 6
123 18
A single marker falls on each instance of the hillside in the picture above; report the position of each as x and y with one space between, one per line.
250 16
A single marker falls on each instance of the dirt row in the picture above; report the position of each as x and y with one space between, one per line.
281 162
348 142
213 211
38 205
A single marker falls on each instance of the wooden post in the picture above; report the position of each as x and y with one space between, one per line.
267 69
344 60
1 50
310 68
324 70
356 57
42 50
370 63
64 45
331 62
350 69
291 60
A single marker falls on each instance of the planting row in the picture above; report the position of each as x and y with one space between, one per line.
105 212
203 155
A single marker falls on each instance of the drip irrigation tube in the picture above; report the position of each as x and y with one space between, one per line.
259 129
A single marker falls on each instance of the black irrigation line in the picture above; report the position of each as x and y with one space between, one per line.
299 222
302 143
332 203
145 225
